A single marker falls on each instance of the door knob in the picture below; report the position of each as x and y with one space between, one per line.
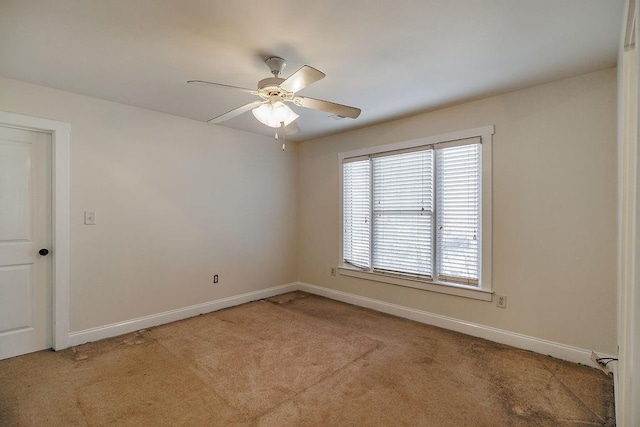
43 252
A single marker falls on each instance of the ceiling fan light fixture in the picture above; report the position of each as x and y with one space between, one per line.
270 110
273 114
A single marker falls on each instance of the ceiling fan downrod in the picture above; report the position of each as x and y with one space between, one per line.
276 65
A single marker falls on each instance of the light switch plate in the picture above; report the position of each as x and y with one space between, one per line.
89 218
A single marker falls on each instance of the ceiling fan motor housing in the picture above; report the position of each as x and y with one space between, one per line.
271 87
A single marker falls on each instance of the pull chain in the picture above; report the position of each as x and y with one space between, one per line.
284 136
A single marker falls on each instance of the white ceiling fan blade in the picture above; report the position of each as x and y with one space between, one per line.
301 79
204 83
233 113
327 107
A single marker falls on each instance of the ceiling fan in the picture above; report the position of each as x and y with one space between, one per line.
271 109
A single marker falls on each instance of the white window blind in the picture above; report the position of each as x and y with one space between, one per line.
458 207
416 212
356 179
403 212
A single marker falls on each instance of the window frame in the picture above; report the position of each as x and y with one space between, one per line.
484 290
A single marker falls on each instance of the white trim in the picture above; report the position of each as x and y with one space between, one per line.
127 326
486 206
538 345
449 288
482 134
627 374
541 346
427 140
60 135
629 38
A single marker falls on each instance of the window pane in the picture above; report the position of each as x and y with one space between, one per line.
403 212
356 205
458 210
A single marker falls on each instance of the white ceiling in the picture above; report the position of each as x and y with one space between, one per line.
389 58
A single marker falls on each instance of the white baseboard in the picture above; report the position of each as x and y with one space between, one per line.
128 326
538 345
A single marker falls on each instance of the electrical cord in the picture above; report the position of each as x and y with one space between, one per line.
608 360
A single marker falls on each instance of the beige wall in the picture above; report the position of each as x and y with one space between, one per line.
554 210
176 202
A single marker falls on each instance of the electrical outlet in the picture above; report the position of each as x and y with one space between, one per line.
501 301
215 278
333 271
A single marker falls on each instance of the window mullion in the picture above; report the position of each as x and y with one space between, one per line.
435 220
372 243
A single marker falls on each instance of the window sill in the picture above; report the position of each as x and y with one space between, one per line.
450 289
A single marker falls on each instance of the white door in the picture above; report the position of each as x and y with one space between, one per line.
25 229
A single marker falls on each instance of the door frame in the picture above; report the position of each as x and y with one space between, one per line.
60 134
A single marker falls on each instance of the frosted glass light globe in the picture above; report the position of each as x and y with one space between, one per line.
274 114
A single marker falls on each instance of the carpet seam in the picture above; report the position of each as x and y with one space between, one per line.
362 356
567 388
193 367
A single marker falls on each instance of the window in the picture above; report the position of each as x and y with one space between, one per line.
418 213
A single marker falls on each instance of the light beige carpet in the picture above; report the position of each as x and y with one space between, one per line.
301 360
